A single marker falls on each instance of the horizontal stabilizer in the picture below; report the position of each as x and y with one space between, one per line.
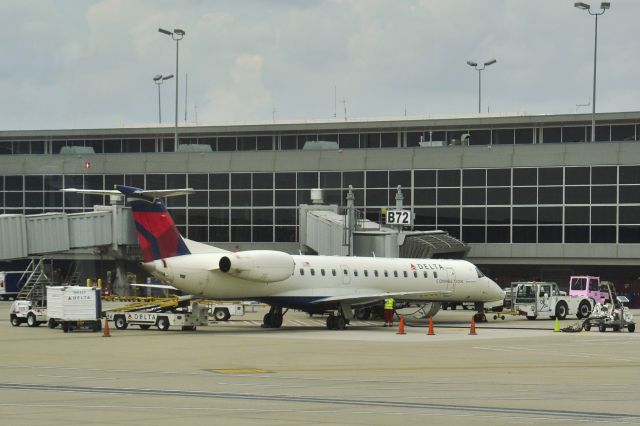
93 191
154 193
373 296
131 191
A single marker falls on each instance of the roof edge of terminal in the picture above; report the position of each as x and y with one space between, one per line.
331 123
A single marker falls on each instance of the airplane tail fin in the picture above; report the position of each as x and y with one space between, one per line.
157 233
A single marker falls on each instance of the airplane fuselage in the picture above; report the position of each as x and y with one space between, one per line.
317 277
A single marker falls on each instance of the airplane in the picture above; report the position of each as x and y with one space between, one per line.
314 284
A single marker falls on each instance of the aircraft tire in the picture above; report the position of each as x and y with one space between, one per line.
602 328
340 323
267 320
532 317
144 326
276 320
631 328
331 322
363 314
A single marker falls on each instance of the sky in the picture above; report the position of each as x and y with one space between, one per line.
90 64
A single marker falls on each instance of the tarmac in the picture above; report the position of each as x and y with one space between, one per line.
512 371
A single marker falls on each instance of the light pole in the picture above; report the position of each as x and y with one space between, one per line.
603 8
176 35
159 79
475 65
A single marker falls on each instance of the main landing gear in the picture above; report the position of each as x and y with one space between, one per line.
273 319
337 322
340 321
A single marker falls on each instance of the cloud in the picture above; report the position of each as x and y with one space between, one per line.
91 63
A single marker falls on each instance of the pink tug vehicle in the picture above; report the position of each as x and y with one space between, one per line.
609 310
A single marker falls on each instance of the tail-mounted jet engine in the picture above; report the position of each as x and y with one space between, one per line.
258 265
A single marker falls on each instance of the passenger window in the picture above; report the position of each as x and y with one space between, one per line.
333 272
375 272
366 273
313 271
355 272
345 271
322 272
395 274
405 274
301 271
426 274
435 274
386 274
415 274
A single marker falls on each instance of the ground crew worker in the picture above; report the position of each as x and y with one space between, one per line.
388 311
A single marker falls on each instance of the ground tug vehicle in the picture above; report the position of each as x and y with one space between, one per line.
544 299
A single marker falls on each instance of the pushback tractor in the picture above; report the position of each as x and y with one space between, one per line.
544 299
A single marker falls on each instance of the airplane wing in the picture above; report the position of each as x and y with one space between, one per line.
162 286
364 298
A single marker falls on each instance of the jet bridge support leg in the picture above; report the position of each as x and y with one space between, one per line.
120 285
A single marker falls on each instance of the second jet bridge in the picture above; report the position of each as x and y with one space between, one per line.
324 231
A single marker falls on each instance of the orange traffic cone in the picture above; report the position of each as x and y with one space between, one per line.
431 333
401 326
105 329
472 331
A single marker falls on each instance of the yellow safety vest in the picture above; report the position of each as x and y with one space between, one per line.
388 303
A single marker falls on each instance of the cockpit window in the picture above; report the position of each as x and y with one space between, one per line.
480 274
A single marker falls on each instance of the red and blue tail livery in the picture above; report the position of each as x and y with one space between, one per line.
157 233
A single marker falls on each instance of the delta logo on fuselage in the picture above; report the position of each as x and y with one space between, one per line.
426 266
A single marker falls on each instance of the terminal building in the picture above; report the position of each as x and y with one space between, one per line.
530 195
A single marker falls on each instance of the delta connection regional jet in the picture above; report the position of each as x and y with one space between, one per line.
314 284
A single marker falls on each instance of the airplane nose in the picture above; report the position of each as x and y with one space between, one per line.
496 292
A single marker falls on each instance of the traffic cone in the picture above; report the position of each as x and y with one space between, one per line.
105 329
401 326
472 331
556 326
431 333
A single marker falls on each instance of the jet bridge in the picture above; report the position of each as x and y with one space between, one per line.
325 231
108 231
